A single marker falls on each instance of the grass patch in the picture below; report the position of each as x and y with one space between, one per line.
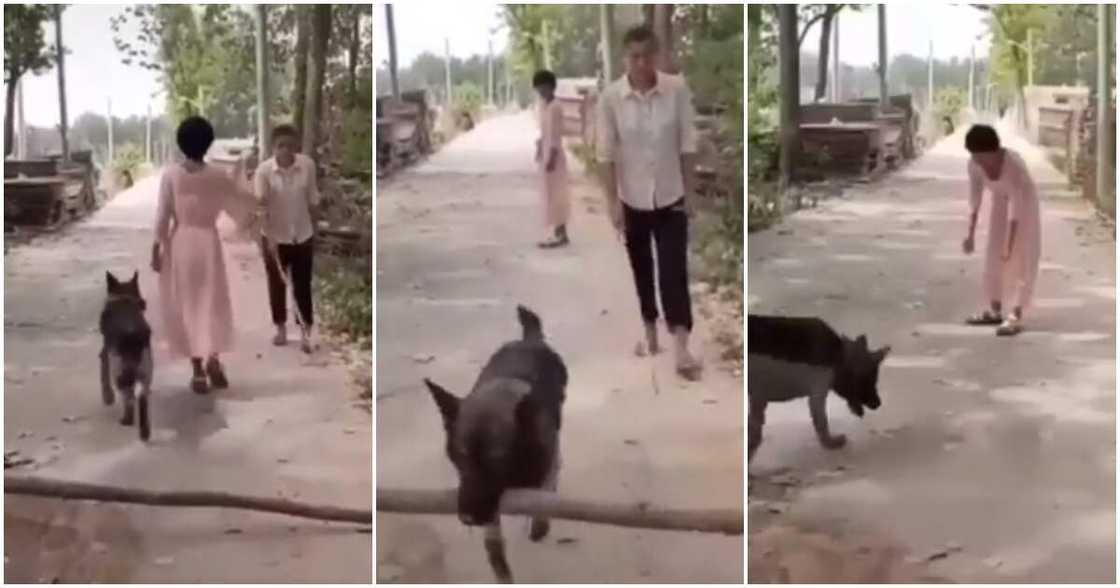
344 288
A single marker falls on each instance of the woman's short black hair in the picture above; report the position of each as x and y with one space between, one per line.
284 130
544 78
640 34
981 139
195 135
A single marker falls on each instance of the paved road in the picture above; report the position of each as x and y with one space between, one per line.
1003 448
285 428
455 255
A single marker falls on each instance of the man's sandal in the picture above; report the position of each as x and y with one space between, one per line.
1009 327
986 318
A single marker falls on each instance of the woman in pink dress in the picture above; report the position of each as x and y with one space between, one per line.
196 312
551 161
1014 229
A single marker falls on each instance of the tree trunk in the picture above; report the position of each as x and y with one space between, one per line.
9 118
391 29
822 63
63 125
355 50
316 76
884 95
33 486
1106 129
303 34
647 14
790 90
549 504
663 27
606 40
264 121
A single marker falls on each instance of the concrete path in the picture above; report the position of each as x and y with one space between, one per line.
992 460
456 253
287 428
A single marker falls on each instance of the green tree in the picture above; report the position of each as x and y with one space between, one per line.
25 51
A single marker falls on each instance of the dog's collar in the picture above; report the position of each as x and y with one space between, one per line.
123 298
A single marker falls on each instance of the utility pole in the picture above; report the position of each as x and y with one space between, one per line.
64 126
447 67
264 146
971 74
790 91
391 29
148 134
836 57
546 43
1105 129
109 108
490 71
929 79
606 31
21 141
1030 57
884 97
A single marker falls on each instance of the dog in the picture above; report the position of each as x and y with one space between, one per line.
506 433
126 351
803 357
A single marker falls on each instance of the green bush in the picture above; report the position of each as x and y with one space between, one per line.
346 301
127 162
948 105
357 157
468 99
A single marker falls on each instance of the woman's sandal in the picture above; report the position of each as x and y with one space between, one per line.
986 318
553 243
1009 327
217 375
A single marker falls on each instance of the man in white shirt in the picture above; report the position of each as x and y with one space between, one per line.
646 145
287 187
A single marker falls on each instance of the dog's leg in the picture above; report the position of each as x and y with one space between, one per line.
755 420
107 394
540 526
129 405
496 551
145 391
819 412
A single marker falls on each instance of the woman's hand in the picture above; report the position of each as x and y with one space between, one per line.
969 245
157 263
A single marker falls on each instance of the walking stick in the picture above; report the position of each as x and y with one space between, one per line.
272 252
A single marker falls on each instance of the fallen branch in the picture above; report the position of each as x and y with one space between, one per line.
546 504
34 486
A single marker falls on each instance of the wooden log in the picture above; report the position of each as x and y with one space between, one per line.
45 487
547 504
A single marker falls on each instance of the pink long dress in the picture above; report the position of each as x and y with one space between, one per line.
554 185
195 307
1014 198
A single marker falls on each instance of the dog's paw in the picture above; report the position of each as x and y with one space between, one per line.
538 529
834 442
127 420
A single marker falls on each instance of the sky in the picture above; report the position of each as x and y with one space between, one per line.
909 28
94 72
422 26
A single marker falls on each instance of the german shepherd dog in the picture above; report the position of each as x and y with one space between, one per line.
802 357
126 352
506 433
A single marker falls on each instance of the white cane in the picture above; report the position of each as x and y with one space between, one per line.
272 251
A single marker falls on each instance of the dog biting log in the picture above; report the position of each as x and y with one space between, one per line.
34 486
540 503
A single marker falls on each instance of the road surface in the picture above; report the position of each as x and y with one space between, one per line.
456 253
286 427
992 459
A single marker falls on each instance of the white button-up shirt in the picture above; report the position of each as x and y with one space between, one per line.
644 134
288 195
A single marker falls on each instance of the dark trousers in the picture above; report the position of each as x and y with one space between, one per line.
295 260
668 229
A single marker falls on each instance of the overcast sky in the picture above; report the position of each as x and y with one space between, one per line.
423 26
909 28
94 72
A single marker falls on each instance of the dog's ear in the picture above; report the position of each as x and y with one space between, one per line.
112 282
881 354
447 402
862 341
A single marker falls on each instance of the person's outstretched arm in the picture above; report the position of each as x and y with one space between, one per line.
606 152
686 117
165 216
975 198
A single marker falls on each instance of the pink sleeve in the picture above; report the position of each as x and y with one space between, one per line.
976 187
240 203
1022 184
165 207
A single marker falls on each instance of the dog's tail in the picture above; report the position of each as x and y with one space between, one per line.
530 324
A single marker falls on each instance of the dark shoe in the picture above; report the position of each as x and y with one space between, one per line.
217 376
199 384
985 318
